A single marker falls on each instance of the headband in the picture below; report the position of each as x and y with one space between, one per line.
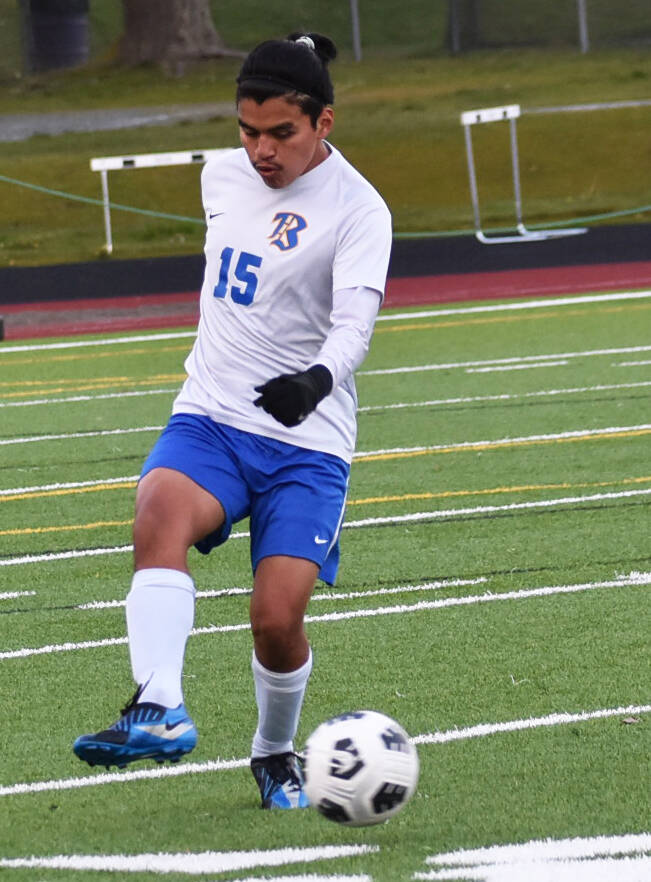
258 79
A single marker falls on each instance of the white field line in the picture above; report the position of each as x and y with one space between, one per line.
102 397
69 435
11 595
476 399
594 859
525 304
65 555
633 579
417 368
513 363
189 768
491 509
522 725
605 387
556 849
517 359
521 439
516 367
195 864
321 595
116 604
360 454
376 407
404 316
104 341
632 363
365 522
67 485
617 869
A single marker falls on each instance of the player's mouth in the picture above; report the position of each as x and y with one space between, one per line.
267 170
272 175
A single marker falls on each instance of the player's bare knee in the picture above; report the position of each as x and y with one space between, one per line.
152 517
275 637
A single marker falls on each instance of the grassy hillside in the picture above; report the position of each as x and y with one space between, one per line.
397 120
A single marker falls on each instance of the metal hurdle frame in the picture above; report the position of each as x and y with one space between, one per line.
105 164
509 112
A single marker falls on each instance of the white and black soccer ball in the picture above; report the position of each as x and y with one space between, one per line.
360 768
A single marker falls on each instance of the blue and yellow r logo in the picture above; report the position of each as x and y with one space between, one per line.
288 226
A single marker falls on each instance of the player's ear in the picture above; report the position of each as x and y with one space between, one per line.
325 122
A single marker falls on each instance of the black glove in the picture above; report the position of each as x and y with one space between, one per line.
291 397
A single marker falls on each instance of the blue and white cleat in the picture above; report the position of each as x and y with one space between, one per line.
144 731
280 779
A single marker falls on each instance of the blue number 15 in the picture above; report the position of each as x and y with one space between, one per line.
245 263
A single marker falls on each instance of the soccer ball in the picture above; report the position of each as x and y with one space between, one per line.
360 768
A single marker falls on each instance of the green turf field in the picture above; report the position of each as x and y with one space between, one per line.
494 587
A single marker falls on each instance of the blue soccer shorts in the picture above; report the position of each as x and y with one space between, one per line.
294 497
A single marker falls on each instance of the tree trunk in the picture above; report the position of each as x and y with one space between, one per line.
463 25
169 32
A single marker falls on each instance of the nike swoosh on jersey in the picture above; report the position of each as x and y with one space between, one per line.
163 730
215 214
319 540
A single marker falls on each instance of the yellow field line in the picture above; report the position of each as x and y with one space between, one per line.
371 500
61 381
66 381
518 488
44 359
460 323
25 531
496 445
402 498
86 385
68 491
482 446
421 326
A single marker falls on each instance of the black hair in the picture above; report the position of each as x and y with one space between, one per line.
295 68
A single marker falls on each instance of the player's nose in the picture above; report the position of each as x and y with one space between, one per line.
265 148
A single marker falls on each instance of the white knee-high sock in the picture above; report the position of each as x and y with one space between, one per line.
160 614
280 699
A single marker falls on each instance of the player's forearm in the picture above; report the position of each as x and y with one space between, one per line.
290 398
353 317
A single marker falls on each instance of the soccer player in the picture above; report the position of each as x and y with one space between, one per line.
297 248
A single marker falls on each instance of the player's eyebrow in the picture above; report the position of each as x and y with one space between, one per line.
283 128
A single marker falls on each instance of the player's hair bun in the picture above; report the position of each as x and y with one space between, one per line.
323 46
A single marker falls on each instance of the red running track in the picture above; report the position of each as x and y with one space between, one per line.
61 318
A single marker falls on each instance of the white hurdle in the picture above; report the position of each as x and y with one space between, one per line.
104 164
508 112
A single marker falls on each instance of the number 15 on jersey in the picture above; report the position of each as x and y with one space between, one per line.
244 272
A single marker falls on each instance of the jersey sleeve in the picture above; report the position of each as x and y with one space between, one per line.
353 318
363 248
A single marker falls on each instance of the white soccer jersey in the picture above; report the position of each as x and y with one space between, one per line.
273 259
